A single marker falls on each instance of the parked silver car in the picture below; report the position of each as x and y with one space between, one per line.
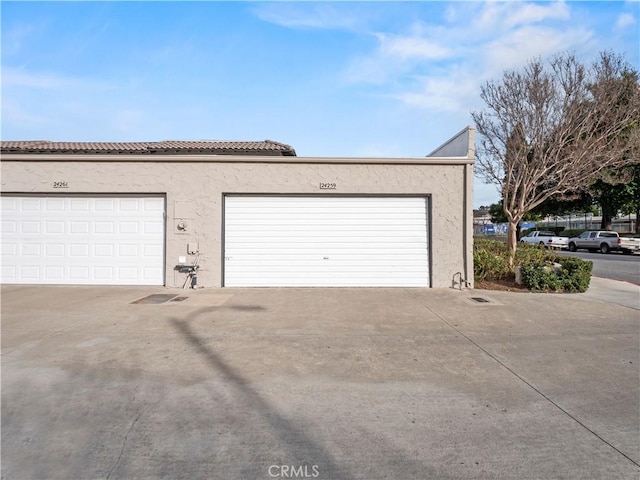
604 241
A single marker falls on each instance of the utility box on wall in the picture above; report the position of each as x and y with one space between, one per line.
181 216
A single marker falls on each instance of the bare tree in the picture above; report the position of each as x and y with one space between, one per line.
553 128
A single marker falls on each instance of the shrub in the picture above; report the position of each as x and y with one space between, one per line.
574 276
573 233
488 264
491 262
532 254
558 231
540 277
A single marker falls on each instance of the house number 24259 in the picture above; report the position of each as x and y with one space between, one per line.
328 186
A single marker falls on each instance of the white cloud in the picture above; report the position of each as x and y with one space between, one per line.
534 13
452 94
14 38
22 78
518 46
451 14
625 20
396 55
317 16
411 47
501 15
441 67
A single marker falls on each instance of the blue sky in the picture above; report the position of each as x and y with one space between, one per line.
329 78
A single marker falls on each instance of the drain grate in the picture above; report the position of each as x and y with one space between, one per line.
178 299
479 300
155 298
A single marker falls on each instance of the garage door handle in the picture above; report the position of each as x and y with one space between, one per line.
325 258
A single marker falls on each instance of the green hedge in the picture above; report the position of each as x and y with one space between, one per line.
491 258
539 277
574 276
491 262
573 233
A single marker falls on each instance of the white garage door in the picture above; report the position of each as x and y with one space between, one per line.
99 240
326 241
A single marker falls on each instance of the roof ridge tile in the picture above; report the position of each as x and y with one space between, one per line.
218 147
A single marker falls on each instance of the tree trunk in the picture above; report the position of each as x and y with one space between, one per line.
638 221
605 223
512 241
609 210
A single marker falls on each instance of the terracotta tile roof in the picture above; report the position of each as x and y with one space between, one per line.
182 147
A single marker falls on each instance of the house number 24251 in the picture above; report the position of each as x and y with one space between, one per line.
60 185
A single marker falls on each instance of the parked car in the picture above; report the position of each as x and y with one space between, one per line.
545 239
604 241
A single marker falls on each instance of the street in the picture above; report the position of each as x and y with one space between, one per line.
615 266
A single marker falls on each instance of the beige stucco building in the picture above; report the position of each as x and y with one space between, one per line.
246 213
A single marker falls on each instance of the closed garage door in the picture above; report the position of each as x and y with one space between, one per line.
99 240
326 241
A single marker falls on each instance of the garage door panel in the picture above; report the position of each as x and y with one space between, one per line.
52 228
128 227
30 272
103 227
79 274
83 240
9 271
311 252
333 280
54 272
326 241
128 205
153 205
9 249
319 202
311 218
79 250
153 228
105 274
391 269
30 204
151 273
80 204
278 232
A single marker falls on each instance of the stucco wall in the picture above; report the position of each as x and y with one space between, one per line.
194 193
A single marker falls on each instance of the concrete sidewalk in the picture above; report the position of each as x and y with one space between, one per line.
319 383
612 291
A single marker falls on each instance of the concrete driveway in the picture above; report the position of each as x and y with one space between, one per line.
317 383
